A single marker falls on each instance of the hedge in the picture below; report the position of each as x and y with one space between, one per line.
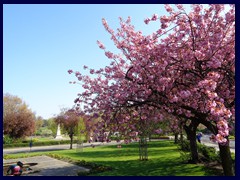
43 143
159 137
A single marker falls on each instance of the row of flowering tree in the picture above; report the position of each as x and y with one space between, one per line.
185 68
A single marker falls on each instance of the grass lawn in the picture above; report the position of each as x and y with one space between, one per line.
164 160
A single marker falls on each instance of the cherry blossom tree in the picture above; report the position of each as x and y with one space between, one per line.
186 68
69 120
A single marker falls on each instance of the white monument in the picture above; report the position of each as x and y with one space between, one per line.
58 136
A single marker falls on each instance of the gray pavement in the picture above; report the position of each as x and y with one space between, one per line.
215 145
52 147
48 166
205 140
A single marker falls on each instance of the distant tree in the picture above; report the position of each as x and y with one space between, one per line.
82 133
18 119
45 132
38 124
69 119
51 125
45 122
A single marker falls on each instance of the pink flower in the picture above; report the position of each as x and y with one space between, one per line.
158 131
164 19
164 26
213 75
197 8
180 6
154 17
185 94
109 55
77 73
220 139
174 99
100 45
147 20
117 95
70 71
168 8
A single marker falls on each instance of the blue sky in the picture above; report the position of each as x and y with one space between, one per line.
42 42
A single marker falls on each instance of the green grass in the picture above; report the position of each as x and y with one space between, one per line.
164 160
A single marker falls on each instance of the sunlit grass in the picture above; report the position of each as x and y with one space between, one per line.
164 160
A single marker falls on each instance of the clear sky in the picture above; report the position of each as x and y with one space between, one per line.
42 42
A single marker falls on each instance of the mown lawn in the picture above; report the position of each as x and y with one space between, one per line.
164 160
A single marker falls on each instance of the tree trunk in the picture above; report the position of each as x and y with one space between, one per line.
181 133
225 153
181 137
143 149
149 137
71 140
193 147
191 135
175 138
226 158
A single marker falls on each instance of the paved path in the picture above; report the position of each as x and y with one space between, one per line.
52 147
205 140
48 166
215 145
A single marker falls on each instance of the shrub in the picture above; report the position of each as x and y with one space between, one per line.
184 145
185 156
40 143
115 138
164 137
209 153
7 139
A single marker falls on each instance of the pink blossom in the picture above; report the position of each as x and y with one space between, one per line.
164 25
158 131
180 6
174 99
220 139
213 75
154 17
147 20
100 45
168 8
164 19
77 73
197 8
185 94
109 55
91 71
70 71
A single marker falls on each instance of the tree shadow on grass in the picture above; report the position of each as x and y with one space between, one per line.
162 164
164 161
168 167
